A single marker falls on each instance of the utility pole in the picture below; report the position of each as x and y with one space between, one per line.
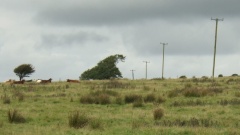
132 74
215 45
163 58
146 67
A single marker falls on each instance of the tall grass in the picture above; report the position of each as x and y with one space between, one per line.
77 119
15 117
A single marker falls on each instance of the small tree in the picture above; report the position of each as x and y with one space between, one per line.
24 70
105 69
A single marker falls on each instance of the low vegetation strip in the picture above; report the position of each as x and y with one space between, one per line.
175 106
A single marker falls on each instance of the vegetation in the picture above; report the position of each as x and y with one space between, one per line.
120 106
105 69
24 70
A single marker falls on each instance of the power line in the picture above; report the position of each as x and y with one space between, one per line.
215 45
163 57
146 67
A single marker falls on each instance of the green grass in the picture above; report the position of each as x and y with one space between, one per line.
189 106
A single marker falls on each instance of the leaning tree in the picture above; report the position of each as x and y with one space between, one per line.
24 70
105 69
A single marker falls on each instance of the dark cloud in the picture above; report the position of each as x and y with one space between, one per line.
123 12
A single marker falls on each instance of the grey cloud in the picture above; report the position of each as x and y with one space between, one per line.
123 12
193 39
80 38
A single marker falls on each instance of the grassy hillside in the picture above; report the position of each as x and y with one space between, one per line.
177 106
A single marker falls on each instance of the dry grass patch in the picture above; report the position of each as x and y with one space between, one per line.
15 117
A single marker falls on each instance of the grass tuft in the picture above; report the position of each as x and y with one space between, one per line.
77 120
15 117
158 114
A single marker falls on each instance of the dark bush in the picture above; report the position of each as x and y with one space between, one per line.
131 98
150 98
183 77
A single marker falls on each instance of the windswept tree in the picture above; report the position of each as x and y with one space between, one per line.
105 69
24 70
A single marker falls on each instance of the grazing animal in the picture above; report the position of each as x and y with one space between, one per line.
39 81
74 81
28 80
18 82
9 81
46 81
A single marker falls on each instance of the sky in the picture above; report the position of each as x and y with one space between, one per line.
64 38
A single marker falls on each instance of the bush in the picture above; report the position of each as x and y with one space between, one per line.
158 114
183 77
220 75
234 75
77 120
15 117
131 98
150 98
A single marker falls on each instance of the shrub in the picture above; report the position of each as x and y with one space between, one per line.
15 117
131 98
150 98
234 75
183 77
158 114
220 75
77 120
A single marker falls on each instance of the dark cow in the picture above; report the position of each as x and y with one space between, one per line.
74 81
46 81
18 82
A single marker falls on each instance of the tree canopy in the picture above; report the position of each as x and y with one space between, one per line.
105 69
24 70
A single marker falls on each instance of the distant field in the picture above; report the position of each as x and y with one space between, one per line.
112 107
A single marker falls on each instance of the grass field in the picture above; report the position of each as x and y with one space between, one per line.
141 107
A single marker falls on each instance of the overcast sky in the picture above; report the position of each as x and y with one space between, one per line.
63 38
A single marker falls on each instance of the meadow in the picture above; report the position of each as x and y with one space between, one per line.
125 107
